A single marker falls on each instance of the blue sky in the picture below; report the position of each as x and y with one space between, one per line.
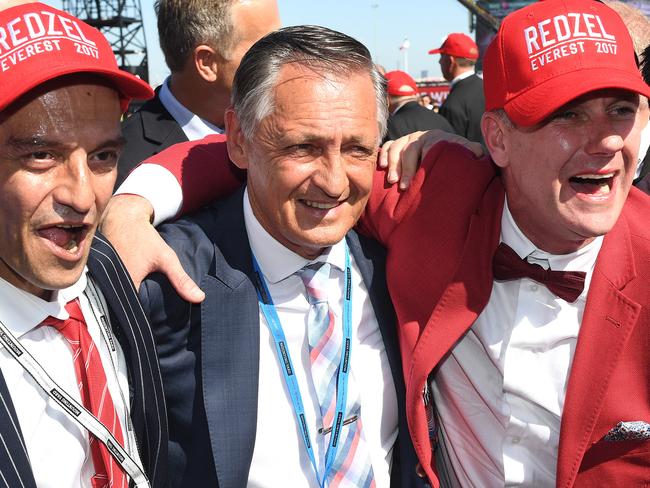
381 25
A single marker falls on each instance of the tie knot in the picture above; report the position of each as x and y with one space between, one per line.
73 309
315 278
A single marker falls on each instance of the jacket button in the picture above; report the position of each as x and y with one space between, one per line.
419 470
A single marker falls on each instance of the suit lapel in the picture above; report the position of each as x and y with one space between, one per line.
15 469
230 342
159 126
608 321
372 269
132 330
463 299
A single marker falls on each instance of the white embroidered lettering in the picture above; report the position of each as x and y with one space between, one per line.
531 39
14 32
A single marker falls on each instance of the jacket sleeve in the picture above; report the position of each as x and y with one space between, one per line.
434 190
203 170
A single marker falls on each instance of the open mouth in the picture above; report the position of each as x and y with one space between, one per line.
593 184
67 237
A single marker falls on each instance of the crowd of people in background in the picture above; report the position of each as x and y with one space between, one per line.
288 268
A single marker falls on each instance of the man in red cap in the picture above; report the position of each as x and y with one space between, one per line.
406 115
80 389
520 282
465 103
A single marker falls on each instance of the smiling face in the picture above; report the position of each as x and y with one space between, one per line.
58 154
567 179
311 161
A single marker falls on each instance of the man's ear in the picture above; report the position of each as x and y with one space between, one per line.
206 62
236 140
495 133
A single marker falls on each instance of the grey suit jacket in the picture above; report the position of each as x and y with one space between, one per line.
209 353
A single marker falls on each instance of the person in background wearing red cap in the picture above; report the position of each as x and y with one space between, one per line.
406 113
520 281
465 103
80 389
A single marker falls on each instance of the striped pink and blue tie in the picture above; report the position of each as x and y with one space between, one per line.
352 466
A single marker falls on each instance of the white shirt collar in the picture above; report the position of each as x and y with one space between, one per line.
276 261
20 311
461 76
644 146
401 105
584 259
193 126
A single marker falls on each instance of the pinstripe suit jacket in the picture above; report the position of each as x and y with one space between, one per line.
147 408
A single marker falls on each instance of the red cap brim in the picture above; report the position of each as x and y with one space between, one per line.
128 86
536 104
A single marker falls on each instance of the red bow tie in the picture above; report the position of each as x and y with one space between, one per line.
507 265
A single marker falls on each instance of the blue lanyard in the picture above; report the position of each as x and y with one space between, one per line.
275 327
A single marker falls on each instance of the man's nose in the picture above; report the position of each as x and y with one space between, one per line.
74 185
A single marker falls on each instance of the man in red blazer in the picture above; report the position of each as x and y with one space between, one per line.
540 377
530 388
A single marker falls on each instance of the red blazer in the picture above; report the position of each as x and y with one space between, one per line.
440 235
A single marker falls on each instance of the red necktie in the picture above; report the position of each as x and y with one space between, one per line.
94 394
507 265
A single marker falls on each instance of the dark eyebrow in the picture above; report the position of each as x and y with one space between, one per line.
36 142
29 142
359 140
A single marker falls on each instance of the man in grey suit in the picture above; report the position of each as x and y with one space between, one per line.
203 42
277 379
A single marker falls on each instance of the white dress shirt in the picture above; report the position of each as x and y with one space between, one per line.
279 456
462 76
152 181
57 446
193 126
500 393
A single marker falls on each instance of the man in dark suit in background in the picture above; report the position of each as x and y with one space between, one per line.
642 181
203 42
246 404
406 113
465 103
80 390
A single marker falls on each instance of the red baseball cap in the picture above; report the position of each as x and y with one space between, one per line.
400 84
554 51
458 45
39 43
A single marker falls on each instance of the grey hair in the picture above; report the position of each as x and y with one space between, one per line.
324 50
185 24
503 116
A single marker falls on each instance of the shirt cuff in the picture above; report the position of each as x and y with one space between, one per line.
159 186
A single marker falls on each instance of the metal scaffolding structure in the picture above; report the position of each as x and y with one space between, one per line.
121 22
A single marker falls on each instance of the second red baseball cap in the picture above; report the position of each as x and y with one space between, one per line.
400 84
39 43
551 52
458 45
